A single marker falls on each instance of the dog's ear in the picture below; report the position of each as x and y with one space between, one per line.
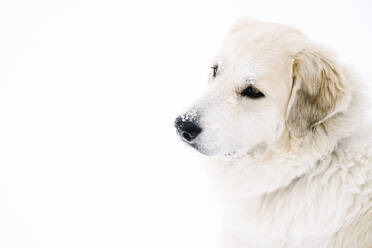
319 91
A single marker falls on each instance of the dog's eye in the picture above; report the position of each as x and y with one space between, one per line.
252 92
215 69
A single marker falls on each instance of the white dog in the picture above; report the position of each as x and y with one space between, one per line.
282 122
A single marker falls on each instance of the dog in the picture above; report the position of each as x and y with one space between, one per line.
284 126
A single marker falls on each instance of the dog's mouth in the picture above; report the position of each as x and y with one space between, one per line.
200 149
194 143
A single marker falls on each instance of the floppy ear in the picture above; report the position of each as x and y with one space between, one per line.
319 91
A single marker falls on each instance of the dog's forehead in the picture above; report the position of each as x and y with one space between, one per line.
249 58
258 57
238 62
252 48
261 42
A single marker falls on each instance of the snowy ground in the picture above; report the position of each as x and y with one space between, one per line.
88 94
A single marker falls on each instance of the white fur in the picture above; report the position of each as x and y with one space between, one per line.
280 190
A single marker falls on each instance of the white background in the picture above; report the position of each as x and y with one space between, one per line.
88 94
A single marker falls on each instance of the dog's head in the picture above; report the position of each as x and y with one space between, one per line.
267 80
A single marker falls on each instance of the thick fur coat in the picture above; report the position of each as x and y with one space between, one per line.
292 161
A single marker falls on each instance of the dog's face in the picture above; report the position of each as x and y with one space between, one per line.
252 98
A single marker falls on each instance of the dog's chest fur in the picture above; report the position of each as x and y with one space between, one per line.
324 203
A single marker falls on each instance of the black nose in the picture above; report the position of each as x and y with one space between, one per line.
187 129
